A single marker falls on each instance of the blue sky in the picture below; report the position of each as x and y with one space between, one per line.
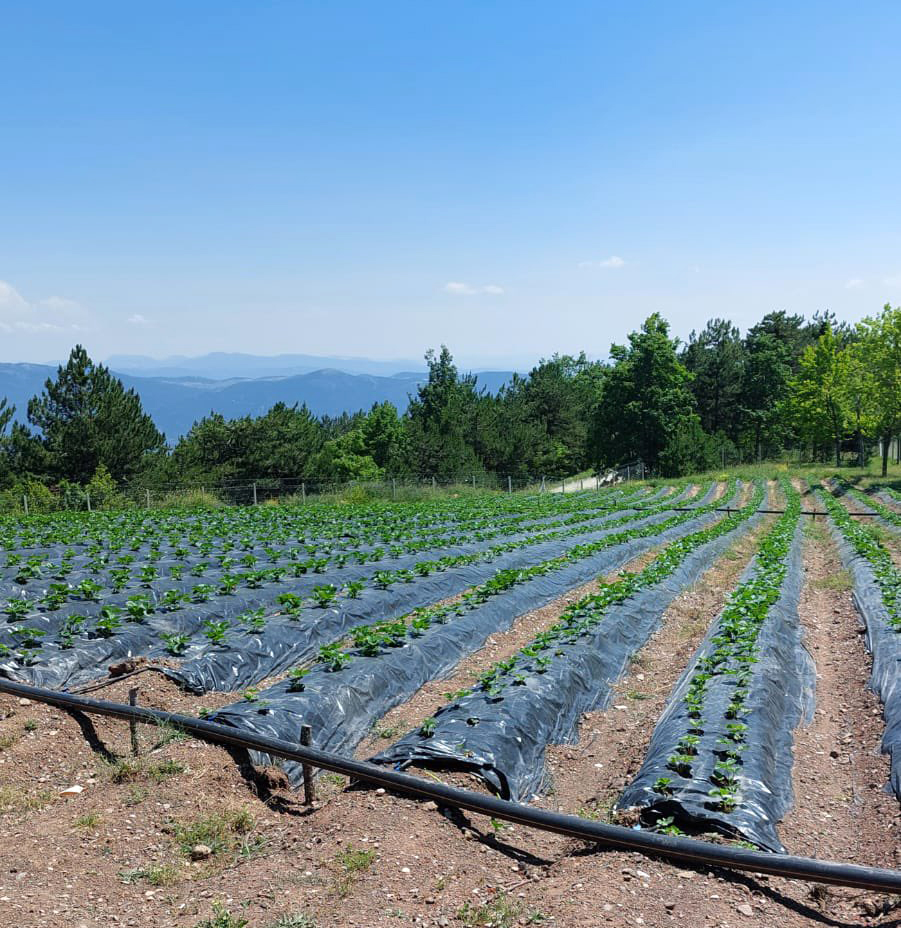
512 179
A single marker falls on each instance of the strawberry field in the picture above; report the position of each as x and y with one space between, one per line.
334 616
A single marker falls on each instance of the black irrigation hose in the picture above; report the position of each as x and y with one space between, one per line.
685 850
808 512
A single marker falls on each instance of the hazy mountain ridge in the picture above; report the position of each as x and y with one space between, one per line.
176 402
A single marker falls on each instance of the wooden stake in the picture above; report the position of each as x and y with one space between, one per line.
309 794
132 724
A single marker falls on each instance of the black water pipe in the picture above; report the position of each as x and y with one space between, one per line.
683 850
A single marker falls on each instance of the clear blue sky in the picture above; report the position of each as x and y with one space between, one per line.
373 179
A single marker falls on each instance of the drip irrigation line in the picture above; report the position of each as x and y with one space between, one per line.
684 850
804 512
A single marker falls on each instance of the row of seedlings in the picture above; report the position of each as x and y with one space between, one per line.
174 590
137 559
236 636
500 728
720 758
377 522
351 686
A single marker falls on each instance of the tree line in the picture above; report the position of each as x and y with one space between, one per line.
822 388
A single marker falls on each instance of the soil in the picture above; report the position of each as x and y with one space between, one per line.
119 851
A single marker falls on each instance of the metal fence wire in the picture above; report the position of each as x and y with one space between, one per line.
297 490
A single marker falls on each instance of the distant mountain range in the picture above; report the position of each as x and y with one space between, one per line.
220 365
176 401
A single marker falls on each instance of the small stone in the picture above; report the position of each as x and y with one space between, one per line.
745 910
201 852
380 791
404 869
24 702
72 790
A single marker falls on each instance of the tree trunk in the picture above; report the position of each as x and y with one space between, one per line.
838 452
886 441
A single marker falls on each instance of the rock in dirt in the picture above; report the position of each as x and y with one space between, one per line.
201 852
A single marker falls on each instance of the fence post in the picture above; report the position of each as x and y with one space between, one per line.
563 487
393 488
87 494
303 492
473 481
509 484
628 472
132 724
597 481
306 739
542 488
25 501
433 481
254 493
147 493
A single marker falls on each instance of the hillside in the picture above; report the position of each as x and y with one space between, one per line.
176 402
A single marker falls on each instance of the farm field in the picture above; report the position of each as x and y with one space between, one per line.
697 657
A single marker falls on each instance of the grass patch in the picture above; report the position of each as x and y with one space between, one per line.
129 769
7 741
841 582
222 918
88 820
351 862
17 800
222 832
157 875
168 734
295 920
502 912
815 529
136 795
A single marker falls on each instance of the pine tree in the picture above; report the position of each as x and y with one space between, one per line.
87 418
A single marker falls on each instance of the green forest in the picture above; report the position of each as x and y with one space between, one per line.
808 390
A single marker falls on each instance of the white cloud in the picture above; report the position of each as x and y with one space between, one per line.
54 314
138 319
854 283
461 289
614 263
893 281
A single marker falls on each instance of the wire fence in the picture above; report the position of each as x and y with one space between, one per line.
300 490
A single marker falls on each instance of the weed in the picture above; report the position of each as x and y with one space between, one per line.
293 920
354 860
501 912
169 734
88 820
164 770
17 800
136 795
31 725
156 875
222 918
221 832
840 582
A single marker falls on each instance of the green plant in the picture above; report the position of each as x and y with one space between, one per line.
222 918
175 644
